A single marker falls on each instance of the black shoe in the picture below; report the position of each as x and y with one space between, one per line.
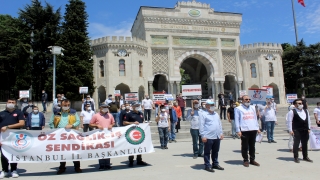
60 171
142 163
108 167
166 147
174 141
177 131
307 159
101 168
273 141
234 137
162 147
269 141
195 157
200 155
217 167
170 141
296 160
209 169
130 164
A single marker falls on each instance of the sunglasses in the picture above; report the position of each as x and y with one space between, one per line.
247 99
299 103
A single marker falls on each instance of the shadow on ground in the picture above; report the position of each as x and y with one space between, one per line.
234 162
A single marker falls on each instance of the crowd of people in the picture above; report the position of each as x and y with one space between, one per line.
205 124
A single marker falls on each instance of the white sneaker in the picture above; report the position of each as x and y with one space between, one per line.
150 122
3 174
14 174
145 121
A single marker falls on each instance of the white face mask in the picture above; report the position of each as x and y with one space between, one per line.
300 106
127 107
163 110
35 111
170 106
196 106
65 108
204 106
105 110
247 104
10 106
89 109
212 108
234 106
123 108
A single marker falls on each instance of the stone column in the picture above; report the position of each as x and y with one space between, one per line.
222 86
150 89
216 89
240 88
178 87
171 87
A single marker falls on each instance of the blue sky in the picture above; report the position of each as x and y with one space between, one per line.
263 20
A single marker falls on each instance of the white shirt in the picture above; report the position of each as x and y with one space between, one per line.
274 105
87 115
108 101
302 115
121 102
245 118
270 114
147 103
317 111
163 121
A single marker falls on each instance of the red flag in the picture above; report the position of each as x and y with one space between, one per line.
302 3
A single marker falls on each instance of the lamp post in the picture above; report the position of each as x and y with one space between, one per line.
55 50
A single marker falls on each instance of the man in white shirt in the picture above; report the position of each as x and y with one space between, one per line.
121 100
85 117
274 105
271 119
109 100
299 127
147 105
316 113
247 127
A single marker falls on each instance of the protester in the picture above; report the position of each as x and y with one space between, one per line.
27 109
193 117
271 120
44 99
103 120
63 97
304 102
182 104
316 113
85 117
66 118
114 109
121 101
274 105
35 119
230 116
10 118
156 105
173 123
55 101
109 100
134 117
247 128
123 113
290 143
163 121
299 127
86 102
223 107
179 115
203 106
147 105
57 107
23 102
262 117
211 133
230 98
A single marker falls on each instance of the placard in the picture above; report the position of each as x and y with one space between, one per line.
24 94
117 93
257 96
191 90
242 93
83 90
291 97
269 91
130 97
159 98
314 138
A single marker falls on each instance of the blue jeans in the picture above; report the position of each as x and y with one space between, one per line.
116 118
197 151
163 134
104 162
270 128
44 105
233 127
263 123
172 133
211 146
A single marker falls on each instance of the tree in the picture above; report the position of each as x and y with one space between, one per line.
75 68
185 78
44 22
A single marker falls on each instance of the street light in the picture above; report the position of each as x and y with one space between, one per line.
55 50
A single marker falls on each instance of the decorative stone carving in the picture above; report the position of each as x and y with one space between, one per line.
228 43
185 41
158 40
160 61
229 62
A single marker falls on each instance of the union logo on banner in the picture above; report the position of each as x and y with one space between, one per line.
21 141
135 135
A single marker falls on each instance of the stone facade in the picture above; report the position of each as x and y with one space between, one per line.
191 36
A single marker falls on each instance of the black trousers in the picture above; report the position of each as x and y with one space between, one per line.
86 127
36 128
147 114
303 137
75 163
223 110
5 164
139 158
248 140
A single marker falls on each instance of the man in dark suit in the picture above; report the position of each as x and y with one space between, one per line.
223 107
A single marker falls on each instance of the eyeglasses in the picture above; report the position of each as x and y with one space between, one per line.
247 99
299 103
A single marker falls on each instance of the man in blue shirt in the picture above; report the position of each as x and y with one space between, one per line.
211 133
35 120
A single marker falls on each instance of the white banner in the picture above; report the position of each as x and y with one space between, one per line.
314 137
117 93
242 93
83 90
257 96
131 97
59 145
291 97
191 90
24 94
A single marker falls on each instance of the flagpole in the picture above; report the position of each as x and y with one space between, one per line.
296 33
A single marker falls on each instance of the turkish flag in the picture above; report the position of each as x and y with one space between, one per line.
302 3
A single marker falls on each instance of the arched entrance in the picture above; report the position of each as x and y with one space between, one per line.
255 86
102 94
123 88
230 85
275 92
160 83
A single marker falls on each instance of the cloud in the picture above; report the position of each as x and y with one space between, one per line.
310 21
98 30
244 4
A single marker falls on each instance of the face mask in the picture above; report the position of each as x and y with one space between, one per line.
196 106
204 106
234 106
163 110
10 106
65 108
170 106
24 100
105 110
272 100
36 111
123 108
89 109
127 107
110 98
113 101
302 97
43 92
247 104
147 97
300 106
30 104
212 108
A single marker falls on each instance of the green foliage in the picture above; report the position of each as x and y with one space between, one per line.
308 58
75 68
